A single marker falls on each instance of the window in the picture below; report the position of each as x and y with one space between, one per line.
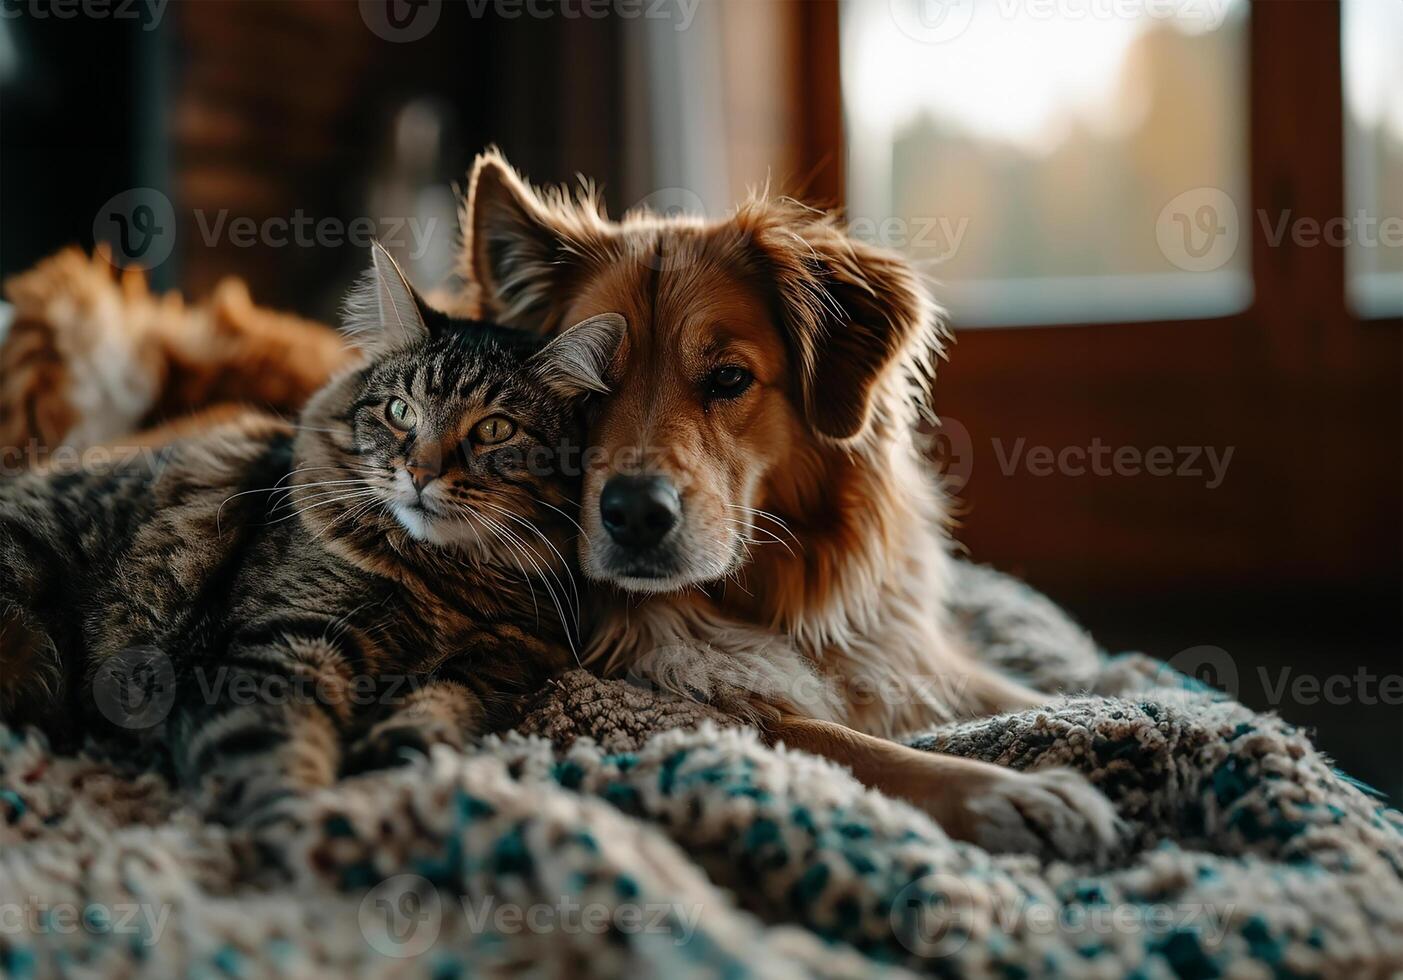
1372 37
1054 161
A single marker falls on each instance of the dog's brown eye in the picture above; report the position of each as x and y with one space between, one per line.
728 382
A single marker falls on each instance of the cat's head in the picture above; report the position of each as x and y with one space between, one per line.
454 431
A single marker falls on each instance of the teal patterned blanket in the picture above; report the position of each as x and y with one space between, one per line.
661 844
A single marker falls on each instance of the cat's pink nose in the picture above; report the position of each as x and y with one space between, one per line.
420 474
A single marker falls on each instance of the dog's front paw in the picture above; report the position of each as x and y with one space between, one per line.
1052 813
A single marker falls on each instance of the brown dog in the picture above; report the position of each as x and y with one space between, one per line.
756 510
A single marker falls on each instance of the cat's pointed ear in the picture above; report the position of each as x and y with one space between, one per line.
383 312
578 362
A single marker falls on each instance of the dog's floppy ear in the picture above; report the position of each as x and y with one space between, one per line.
382 311
853 312
578 362
521 249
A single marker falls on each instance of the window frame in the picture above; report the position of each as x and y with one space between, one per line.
1295 368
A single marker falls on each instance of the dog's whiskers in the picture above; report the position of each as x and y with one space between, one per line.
772 537
759 514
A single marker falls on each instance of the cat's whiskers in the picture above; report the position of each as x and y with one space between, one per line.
463 513
349 495
544 566
290 494
349 514
520 545
562 513
504 535
565 565
218 514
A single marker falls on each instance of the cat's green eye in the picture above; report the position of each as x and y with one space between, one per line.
401 416
494 429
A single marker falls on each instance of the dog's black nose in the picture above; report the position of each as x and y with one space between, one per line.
639 511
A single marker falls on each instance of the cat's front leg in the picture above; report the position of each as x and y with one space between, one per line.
433 711
265 722
31 668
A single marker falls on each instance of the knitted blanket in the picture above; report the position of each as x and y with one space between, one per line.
623 833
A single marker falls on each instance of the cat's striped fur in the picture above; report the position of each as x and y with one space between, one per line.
326 593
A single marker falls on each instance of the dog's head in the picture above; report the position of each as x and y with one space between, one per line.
756 345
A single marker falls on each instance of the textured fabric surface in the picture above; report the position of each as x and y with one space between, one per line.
640 844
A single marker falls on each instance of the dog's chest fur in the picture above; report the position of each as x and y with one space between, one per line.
874 652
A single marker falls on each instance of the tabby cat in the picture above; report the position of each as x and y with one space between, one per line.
310 599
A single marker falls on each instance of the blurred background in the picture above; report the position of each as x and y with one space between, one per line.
1169 234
